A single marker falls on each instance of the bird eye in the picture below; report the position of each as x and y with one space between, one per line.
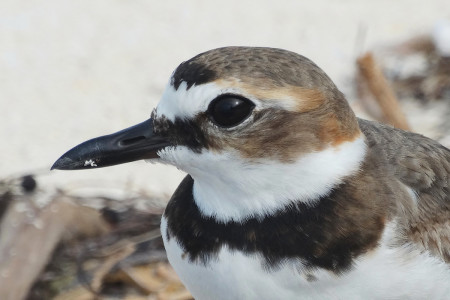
230 110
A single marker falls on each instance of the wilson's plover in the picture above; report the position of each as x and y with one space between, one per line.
289 195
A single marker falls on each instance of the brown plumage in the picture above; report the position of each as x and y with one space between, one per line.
414 169
422 165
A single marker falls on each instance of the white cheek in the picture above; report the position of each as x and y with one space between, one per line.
230 187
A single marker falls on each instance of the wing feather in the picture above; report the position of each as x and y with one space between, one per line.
423 165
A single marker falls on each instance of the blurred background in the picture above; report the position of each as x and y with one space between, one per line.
73 70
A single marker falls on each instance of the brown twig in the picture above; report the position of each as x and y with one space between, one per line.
379 87
28 237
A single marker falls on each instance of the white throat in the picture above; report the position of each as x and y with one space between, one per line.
229 187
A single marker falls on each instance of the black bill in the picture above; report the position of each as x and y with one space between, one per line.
134 143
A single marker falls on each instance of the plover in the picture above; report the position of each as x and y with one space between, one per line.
288 194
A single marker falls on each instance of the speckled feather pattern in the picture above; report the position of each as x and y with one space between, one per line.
423 165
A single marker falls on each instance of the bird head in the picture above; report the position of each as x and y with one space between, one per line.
256 128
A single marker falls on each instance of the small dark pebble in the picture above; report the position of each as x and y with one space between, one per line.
28 183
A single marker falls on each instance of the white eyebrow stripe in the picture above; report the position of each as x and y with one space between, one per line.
186 103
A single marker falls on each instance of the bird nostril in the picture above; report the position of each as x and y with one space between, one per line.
131 141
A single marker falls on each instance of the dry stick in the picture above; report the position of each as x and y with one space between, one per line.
28 238
382 92
30 233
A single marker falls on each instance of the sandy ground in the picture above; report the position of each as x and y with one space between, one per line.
72 70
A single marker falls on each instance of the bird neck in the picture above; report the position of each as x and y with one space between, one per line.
236 190
334 232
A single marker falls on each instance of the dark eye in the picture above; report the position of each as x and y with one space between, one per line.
230 110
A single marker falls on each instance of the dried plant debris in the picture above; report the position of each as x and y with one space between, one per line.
372 77
125 263
418 69
112 251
